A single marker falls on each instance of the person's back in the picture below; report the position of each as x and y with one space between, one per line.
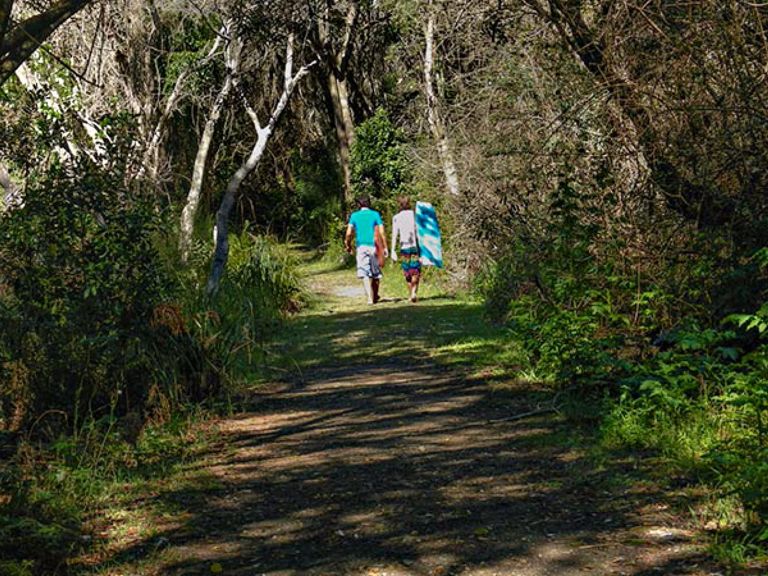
365 221
404 226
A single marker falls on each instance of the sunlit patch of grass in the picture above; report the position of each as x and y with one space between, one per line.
737 549
134 527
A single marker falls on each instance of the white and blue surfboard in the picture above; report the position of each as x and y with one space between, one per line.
428 232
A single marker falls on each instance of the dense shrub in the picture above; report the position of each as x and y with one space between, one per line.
654 374
380 165
702 403
230 330
81 284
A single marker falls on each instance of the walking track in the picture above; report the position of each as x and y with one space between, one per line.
378 456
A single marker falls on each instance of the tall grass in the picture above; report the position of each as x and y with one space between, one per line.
209 348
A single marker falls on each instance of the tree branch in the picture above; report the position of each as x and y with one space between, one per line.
173 98
21 41
221 250
693 200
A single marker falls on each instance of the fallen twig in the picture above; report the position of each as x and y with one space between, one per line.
536 412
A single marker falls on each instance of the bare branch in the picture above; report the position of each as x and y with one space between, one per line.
221 251
173 100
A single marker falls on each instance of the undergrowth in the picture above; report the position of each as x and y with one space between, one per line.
53 494
689 388
108 352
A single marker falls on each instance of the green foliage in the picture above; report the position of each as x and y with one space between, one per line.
81 282
268 271
334 252
316 206
230 331
694 393
380 165
50 491
702 403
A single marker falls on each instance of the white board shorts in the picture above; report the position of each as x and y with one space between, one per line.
367 264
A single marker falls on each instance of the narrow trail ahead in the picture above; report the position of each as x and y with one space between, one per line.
387 457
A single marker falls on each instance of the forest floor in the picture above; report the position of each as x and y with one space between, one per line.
400 440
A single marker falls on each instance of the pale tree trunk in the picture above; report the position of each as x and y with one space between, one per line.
151 156
233 55
11 194
436 124
263 133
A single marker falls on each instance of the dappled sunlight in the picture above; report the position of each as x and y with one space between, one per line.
378 459
395 473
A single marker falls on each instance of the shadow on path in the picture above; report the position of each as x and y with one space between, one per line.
387 462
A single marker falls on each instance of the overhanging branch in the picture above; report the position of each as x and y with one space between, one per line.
19 42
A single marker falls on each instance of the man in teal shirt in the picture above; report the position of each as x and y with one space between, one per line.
368 228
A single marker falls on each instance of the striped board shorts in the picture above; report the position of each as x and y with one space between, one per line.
410 263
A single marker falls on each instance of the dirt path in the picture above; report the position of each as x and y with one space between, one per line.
398 465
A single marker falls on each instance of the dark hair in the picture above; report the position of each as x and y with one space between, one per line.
404 203
363 202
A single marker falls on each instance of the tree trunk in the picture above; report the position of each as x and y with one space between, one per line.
436 123
336 63
19 42
233 52
221 251
345 131
151 157
221 232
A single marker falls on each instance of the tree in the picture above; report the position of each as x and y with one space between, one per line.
685 81
9 190
436 124
335 68
19 41
263 135
233 54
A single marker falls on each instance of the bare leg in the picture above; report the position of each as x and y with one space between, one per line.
368 289
375 289
414 284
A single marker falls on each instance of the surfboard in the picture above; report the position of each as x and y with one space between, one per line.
428 232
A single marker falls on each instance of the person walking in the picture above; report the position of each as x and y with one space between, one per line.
367 228
404 227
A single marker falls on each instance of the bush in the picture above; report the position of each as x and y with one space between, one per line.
229 331
693 393
701 403
380 165
268 274
81 286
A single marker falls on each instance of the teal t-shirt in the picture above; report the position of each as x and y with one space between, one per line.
365 222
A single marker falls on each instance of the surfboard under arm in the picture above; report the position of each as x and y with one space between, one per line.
428 232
